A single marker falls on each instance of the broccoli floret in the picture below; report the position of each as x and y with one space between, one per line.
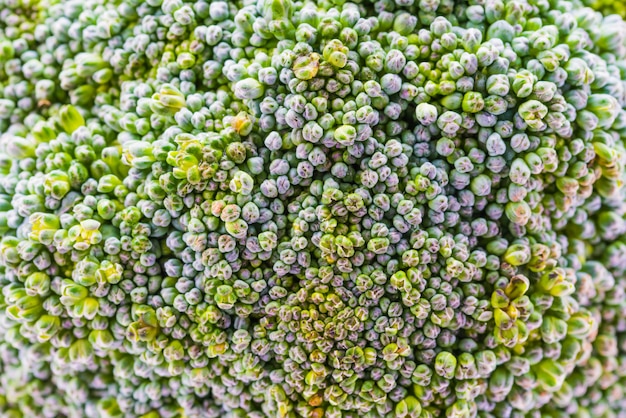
335 208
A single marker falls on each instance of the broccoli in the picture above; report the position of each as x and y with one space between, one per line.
318 209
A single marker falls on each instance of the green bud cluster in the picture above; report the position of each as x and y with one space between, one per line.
278 208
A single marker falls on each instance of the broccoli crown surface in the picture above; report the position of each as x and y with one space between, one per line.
278 208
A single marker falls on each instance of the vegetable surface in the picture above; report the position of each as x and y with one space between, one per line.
277 208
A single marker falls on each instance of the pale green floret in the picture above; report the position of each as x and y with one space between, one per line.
248 88
426 113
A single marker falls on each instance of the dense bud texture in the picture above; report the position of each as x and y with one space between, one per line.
278 208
